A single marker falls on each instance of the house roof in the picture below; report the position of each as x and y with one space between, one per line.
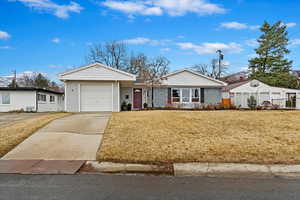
234 85
29 89
61 75
196 73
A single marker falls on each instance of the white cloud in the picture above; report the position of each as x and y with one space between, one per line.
143 40
295 42
238 26
138 40
291 24
234 25
165 50
61 11
252 43
254 27
159 7
4 35
131 8
56 40
211 48
5 47
56 66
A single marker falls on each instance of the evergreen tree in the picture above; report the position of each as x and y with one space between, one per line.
41 81
270 66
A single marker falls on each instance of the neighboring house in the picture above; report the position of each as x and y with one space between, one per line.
236 77
238 93
97 87
30 99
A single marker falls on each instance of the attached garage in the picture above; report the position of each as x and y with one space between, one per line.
94 88
96 97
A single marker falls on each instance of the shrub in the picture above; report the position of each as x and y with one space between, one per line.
124 106
251 102
275 106
129 106
17 111
145 105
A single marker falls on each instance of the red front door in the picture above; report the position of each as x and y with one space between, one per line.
137 98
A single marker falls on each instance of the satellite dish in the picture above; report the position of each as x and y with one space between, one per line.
254 83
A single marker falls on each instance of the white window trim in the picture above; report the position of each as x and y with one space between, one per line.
41 101
190 95
52 102
5 104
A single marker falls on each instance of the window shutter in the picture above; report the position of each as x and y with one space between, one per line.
169 95
202 95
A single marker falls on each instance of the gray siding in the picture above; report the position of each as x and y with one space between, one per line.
212 95
126 91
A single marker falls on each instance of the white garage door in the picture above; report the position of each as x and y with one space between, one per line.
96 97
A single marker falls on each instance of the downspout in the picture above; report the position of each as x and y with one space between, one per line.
36 101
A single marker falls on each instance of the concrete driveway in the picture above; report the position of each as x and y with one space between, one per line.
76 137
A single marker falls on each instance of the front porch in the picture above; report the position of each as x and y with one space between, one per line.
140 97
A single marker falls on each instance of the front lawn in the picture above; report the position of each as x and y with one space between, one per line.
14 133
202 136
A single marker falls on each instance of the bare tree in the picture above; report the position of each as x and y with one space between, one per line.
137 64
210 70
113 54
26 81
156 68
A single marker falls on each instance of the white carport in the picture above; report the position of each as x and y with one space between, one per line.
262 93
94 88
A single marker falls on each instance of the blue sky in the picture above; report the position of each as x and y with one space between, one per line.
51 36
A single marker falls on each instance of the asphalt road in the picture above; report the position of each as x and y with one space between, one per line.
89 187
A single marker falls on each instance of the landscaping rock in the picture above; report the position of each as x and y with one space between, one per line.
190 169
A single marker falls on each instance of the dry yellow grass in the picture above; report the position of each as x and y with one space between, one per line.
14 133
206 136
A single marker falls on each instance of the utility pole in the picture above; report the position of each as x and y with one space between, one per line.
14 81
221 57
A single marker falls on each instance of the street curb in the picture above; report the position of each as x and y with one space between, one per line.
110 167
196 169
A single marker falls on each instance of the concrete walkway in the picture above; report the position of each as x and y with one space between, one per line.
76 137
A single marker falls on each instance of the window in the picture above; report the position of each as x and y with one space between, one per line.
41 97
185 95
5 98
195 95
52 98
175 95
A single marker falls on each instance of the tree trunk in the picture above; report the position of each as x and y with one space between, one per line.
152 104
